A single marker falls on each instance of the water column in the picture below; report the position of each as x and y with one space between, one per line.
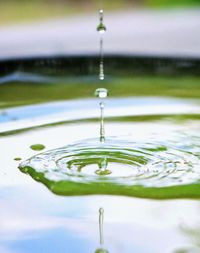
101 92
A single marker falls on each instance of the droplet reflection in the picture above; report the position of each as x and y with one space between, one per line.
101 220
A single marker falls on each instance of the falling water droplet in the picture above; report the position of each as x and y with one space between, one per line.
37 147
101 28
17 158
101 93
102 128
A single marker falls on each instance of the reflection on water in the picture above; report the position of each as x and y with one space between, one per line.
101 235
70 224
32 218
193 234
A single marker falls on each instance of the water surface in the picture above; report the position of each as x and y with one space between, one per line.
151 147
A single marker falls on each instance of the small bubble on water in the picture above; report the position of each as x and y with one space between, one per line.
101 93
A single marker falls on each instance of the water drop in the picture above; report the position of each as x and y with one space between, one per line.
37 147
101 93
101 28
18 159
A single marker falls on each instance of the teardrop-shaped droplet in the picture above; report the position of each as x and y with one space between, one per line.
101 28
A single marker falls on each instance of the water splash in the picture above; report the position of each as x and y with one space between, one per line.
148 169
101 28
103 164
154 169
120 166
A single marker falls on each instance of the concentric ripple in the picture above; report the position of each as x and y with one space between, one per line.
101 167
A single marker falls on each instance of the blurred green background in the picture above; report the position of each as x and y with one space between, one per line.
12 11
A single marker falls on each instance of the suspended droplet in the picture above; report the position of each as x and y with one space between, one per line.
101 12
101 93
37 147
101 28
18 159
